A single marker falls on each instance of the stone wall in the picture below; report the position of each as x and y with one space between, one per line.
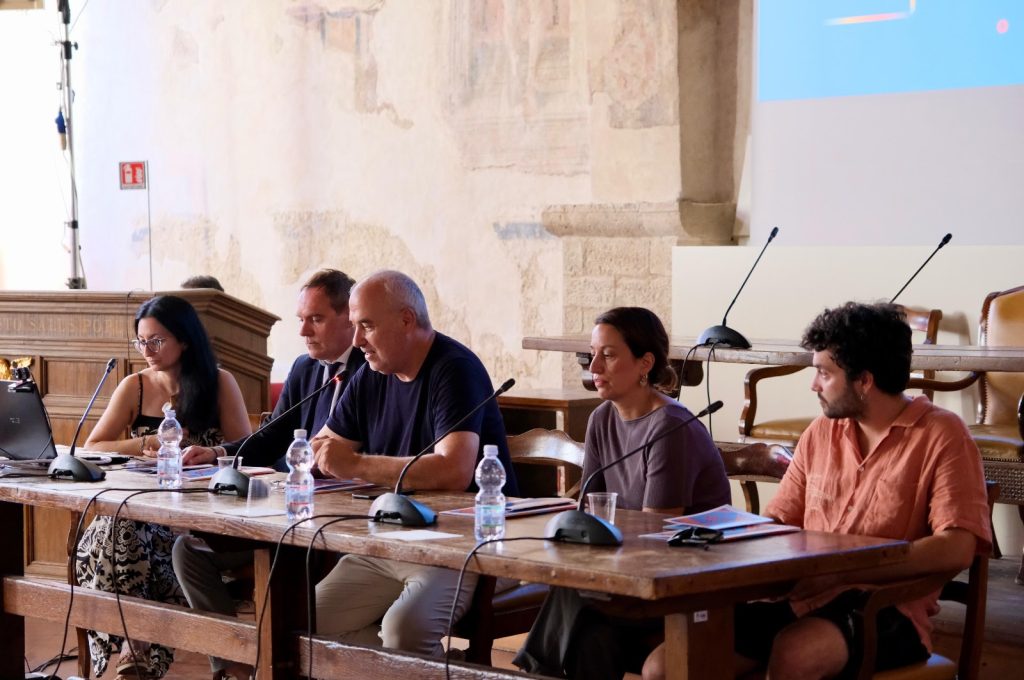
529 162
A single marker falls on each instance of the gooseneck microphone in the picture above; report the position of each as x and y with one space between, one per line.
66 465
231 480
723 335
943 242
577 526
397 508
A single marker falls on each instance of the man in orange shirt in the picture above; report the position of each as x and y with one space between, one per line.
876 463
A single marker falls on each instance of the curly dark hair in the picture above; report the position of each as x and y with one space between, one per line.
861 337
643 332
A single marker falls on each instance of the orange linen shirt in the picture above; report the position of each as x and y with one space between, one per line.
923 477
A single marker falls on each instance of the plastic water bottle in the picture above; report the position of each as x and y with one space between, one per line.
298 486
168 458
490 501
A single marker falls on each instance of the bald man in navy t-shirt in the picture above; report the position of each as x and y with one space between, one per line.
416 384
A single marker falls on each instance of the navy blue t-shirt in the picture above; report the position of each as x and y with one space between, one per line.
395 418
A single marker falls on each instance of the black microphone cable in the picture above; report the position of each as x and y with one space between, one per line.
707 383
689 353
270 575
71 558
113 558
71 655
309 589
458 588
273 565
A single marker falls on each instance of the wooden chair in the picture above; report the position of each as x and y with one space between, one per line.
552 461
547 463
275 393
749 464
999 430
788 430
972 594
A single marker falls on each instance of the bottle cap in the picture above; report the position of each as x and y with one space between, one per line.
299 433
490 450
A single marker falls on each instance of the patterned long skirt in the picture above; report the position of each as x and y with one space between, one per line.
138 556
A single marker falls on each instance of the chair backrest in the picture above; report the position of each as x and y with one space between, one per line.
547 462
973 595
1002 325
275 393
924 321
749 464
258 420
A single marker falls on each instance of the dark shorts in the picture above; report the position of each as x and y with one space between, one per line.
757 624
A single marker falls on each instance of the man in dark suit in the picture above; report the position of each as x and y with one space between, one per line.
324 325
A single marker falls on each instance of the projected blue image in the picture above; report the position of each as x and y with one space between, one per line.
830 48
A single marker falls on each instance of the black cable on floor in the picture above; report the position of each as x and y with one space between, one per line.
113 559
458 588
309 589
270 575
707 382
71 655
71 559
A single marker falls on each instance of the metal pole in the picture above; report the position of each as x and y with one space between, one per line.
76 280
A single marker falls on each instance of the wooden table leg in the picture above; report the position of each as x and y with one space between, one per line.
81 634
699 645
12 563
285 612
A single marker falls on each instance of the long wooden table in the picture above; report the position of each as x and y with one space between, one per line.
789 353
693 589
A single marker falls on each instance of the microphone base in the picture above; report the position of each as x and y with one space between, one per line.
402 510
723 336
230 481
66 465
576 526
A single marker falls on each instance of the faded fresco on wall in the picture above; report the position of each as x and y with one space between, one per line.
349 30
638 69
514 95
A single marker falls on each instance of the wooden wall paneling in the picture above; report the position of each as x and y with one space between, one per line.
71 335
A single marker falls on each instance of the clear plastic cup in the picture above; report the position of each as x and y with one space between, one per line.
602 504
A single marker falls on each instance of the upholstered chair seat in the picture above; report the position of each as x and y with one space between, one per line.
999 442
786 430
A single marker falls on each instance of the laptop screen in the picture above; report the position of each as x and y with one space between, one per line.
24 427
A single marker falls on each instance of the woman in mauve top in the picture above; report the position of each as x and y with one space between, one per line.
680 473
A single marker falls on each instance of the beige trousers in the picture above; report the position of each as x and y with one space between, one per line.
373 601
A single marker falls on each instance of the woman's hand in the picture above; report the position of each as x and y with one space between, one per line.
150 446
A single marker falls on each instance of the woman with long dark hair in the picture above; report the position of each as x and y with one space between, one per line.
681 472
182 374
